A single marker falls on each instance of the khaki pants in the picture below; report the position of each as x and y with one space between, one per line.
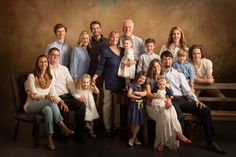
108 113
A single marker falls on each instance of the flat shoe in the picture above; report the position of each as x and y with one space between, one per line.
130 143
68 133
51 147
137 142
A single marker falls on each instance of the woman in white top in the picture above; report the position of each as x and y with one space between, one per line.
168 129
176 41
42 98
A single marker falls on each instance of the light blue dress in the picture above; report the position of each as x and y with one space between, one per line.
79 62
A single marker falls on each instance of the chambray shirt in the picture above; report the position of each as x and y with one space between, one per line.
186 68
179 83
108 68
79 63
65 52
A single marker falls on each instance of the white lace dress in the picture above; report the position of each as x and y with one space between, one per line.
127 71
91 112
167 123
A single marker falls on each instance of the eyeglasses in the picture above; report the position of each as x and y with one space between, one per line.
55 55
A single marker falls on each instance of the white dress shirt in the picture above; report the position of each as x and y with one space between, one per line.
145 60
64 84
179 83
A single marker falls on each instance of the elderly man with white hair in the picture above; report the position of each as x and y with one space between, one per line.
138 45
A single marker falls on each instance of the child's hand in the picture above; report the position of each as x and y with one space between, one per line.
122 66
131 62
93 85
82 100
136 93
157 96
168 103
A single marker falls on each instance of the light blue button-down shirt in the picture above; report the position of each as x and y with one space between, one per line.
186 68
79 62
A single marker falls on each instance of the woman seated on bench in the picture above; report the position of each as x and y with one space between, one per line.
42 98
168 128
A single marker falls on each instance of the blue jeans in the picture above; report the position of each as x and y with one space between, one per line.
50 111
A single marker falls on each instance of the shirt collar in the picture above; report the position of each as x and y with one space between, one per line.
51 67
166 70
60 43
101 39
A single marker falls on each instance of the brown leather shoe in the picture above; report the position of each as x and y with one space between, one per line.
215 148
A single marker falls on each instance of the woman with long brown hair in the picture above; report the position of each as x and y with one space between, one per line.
168 128
42 98
176 41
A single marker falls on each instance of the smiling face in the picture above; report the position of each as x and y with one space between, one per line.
150 47
197 54
167 62
161 84
128 28
60 33
156 69
85 40
54 57
96 30
182 58
42 63
127 44
141 80
85 84
176 35
114 38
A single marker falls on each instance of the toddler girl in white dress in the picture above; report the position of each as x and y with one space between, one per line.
168 130
85 90
125 69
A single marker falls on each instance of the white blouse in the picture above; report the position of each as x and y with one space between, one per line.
32 85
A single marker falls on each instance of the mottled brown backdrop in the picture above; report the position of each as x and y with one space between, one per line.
26 27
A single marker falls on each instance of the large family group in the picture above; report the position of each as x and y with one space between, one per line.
161 84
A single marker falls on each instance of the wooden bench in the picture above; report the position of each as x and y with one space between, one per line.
220 114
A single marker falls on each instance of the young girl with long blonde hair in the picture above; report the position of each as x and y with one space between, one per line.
85 89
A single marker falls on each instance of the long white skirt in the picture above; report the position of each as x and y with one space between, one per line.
167 124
